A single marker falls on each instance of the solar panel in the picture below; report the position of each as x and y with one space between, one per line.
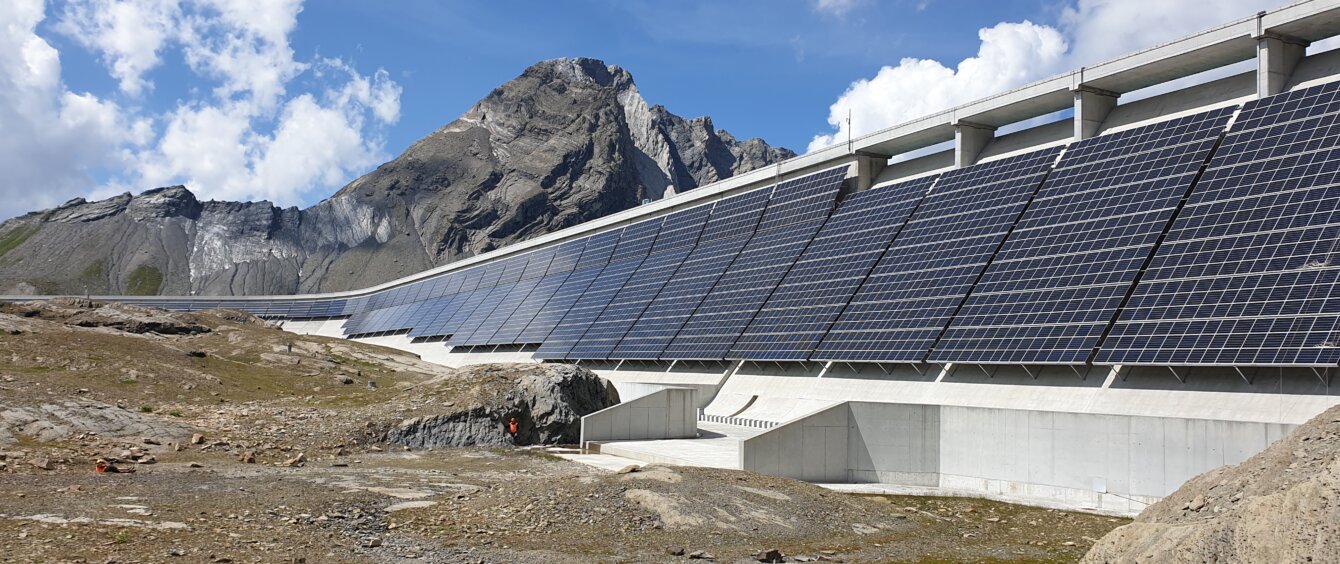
829 272
480 331
509 332
741 290
1248 273
627 306
598 249
736 215
729 225
465 330
637 240
682 228
1055 285
663 318
909 296
586 309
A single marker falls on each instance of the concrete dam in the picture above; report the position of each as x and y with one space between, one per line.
1080 293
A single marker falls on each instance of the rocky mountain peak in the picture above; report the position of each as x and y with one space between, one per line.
566 141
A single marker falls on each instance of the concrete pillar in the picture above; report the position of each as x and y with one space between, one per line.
1092 105
969 140
868 167
1276 57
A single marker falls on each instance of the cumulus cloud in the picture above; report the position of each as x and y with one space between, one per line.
249 129
52 137
1013 54
1010 54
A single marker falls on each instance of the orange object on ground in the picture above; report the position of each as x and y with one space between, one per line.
100 466
512 426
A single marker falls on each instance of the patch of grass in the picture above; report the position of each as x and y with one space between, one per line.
145 280
94 275
120 537
146 409
175 413
15 238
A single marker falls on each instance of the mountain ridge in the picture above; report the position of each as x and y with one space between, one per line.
567 141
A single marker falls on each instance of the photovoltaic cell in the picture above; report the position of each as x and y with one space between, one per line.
914 289
803 199
1248 273
481 333
829 272
1055 285
736 215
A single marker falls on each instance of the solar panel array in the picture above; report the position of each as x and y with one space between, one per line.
1175 243
794 214
815 290
1055 285
1248 273
921 280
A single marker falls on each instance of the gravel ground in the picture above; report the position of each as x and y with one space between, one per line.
247 450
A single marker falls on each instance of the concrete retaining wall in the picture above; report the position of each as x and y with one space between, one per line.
813 448
1109 463
665 414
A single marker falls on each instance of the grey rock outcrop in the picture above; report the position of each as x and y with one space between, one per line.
547 401
567 141
58 421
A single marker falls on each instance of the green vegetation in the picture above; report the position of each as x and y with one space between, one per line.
146 409
145 280
94 276
15 238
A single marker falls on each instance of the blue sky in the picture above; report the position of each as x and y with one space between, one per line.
287 100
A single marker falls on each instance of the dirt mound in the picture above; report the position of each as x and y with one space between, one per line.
472 406
235 316
1282 505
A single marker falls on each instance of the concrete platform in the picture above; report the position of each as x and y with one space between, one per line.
717 446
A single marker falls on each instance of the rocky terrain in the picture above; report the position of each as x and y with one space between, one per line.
254 445
1282 505
568 141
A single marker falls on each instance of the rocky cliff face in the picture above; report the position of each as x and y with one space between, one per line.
568 141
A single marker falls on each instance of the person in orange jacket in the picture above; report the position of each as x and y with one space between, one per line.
512 426
104 467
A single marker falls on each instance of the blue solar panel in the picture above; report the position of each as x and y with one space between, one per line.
1055 285
465 331
1248 273
653 331
718 320
829 272
557 306
566 256
910 295
481 330
637 240
682 228
627 306
509 332
736 215
598 249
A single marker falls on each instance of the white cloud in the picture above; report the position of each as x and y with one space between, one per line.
249 129
1010 54
836 7
128 33
52 137
1013 54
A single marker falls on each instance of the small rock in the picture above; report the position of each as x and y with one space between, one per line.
42 463
1197 504
1236 497
372 384
770 555
197 354
373 542
247 457
151 441
628 469
701 555
297 460
146 459
197 439
675 551
195 465
345 380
